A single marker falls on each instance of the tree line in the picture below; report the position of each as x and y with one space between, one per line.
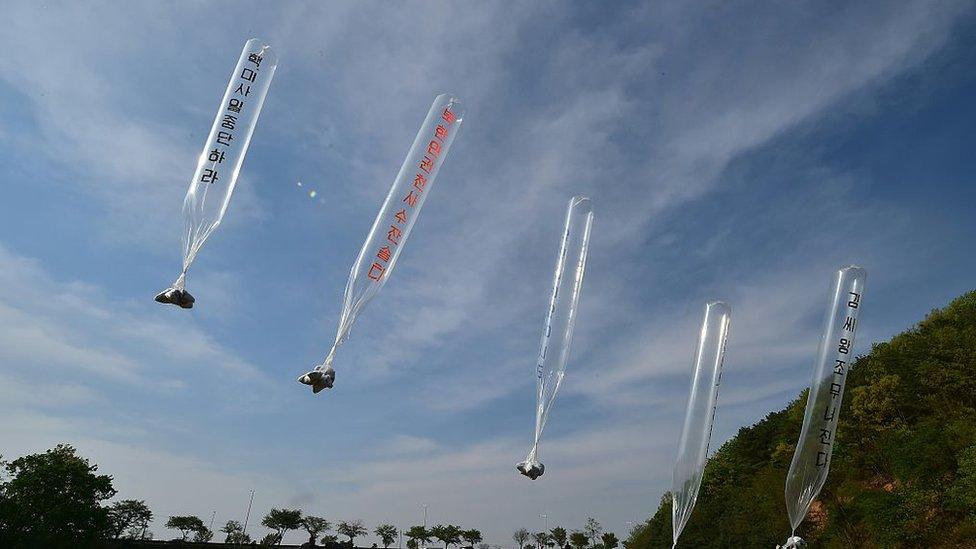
591 536
56 499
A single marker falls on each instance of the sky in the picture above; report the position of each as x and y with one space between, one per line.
740 152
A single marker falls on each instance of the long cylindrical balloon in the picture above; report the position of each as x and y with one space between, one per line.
560 321
220 162
699 415
393 224
811 459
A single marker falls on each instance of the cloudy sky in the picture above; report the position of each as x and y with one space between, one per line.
738 153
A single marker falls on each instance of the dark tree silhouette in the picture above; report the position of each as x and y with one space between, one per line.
235 533
472 536
559 535
352 530
315 526
418 535
283 520
387 534
186 524
129 518
53 499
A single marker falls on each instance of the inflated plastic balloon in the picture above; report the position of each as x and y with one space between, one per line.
693 445
393 224
811 459
560 320
220 162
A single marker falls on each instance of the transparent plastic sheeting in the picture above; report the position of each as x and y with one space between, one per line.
697 430
560 320
220 162
811 459
393 224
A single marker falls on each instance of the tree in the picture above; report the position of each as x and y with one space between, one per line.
541 539
282 520
53 499
129 518
202 534
315 526
592 529
235 533
521 536
419 535
352 530
472 536
271 539
610 540
387 534
579 540
559 536
185 524
447 533
331 541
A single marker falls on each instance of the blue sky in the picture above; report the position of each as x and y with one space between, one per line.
737 153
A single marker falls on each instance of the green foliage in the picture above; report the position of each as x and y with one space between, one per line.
281 521
418 535
53 500
235 533
472 537
129 519
387 534
448 534
315 526
579 540
186 524
203 535
351 529
559 536
903 472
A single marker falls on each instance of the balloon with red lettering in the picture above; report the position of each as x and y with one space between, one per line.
393 224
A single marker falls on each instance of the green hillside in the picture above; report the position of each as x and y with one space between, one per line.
904 467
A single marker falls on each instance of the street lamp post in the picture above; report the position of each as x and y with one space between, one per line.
546 518
248 514
424 542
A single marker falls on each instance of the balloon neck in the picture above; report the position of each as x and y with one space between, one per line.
180 283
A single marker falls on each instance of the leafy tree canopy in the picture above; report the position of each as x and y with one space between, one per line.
387 534
53 499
